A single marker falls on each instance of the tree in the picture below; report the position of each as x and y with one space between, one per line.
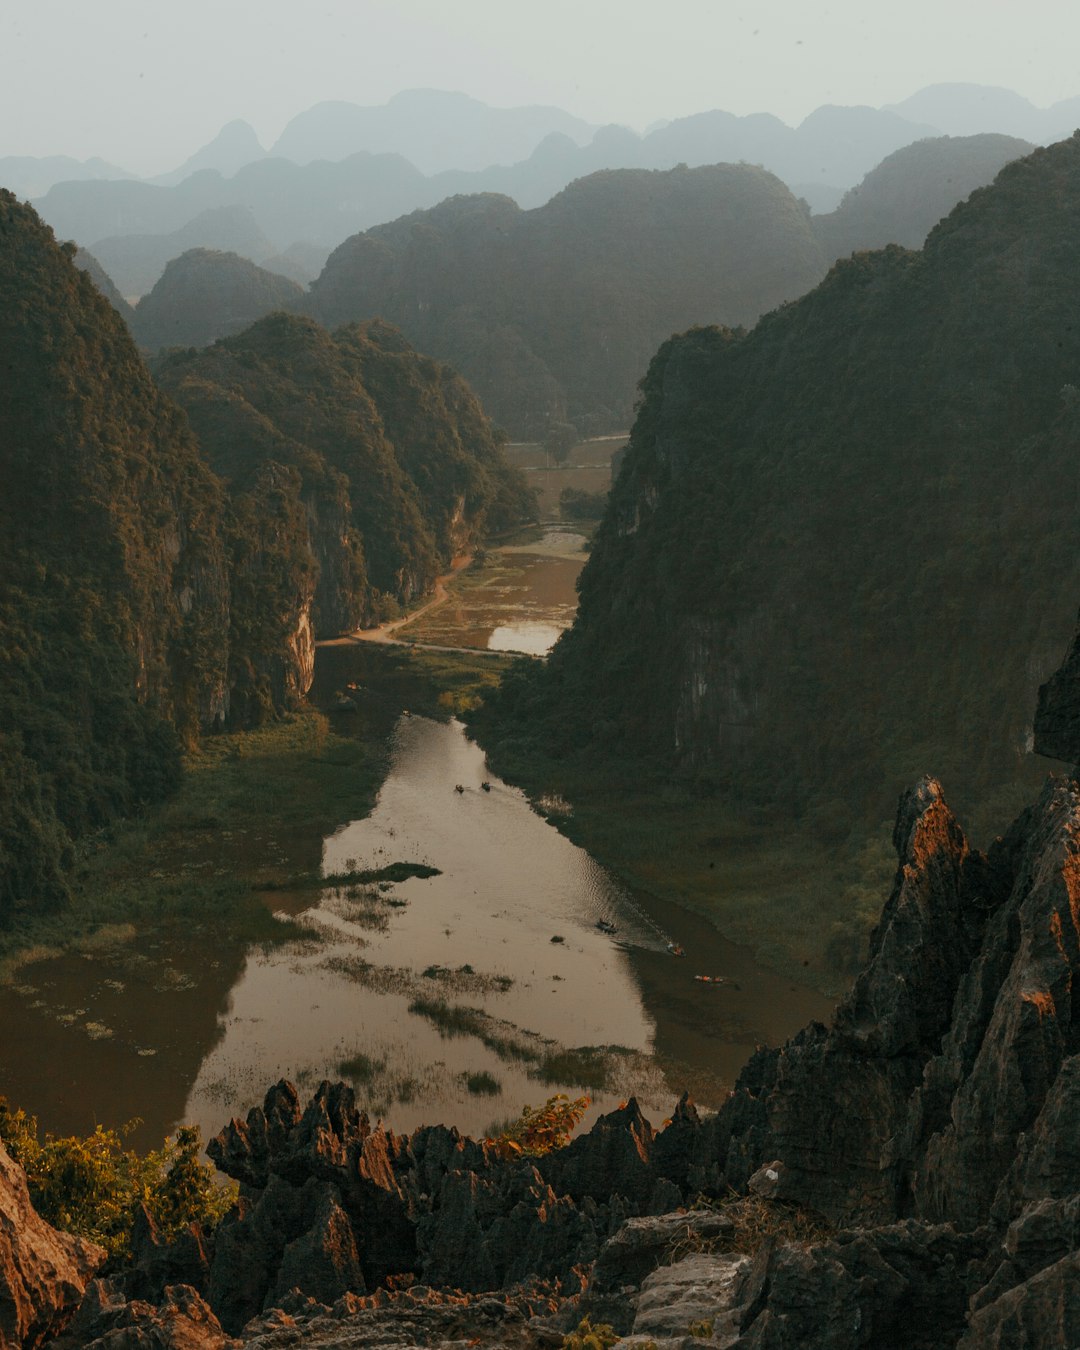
560 440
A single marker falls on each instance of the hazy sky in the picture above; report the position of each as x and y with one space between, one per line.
146 82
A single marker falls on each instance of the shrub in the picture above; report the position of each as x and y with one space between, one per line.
94 1187
539 1131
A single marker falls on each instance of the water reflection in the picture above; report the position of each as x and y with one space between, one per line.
381 992
459 997
449 998
520 600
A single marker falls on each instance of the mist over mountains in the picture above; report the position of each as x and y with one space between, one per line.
338 167
553 314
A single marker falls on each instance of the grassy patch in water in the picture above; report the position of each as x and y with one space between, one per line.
586 1066
453 1021
802 898
251 806
398 871
391 678
482 1084
360 1068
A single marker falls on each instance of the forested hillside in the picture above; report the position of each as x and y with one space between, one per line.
113 582
842 548
147 595
388 451
553 314
901 200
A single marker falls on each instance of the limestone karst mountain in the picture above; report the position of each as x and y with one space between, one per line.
146 595
552 314
391 454
114 600
101 279
135 262
901 200
33 175
960 109
204 295
235 145
431 128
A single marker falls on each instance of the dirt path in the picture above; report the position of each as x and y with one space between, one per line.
385 631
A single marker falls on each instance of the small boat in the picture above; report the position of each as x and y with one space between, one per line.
712 979
606 926
675 949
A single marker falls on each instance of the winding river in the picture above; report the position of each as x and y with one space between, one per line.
518 968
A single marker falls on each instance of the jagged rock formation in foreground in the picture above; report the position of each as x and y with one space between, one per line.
932 1130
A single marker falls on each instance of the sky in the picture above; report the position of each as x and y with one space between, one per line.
144 83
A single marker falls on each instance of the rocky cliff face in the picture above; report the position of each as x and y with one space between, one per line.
386 462
113 579
917 1161
878 478
43 1273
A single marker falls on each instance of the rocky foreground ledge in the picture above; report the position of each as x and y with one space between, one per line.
928 1143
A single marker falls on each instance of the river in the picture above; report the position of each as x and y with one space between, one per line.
456 997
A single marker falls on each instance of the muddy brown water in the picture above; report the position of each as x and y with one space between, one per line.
196 1033
440 999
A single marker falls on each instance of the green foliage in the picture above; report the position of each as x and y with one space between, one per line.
143 600
357 469
559 440
589 1337
574 504
112 571
94 1187
541 1129
205 294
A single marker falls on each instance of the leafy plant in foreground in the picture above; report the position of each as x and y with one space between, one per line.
94 1187
539 1131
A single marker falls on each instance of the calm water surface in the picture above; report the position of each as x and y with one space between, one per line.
440 999
197 1033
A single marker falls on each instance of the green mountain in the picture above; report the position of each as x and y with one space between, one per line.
552 314
136 261
387 452
901 200
842 547
101 279
204 295
113 584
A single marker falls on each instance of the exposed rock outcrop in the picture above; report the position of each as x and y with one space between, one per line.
43 1273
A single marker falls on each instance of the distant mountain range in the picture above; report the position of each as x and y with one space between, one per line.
28 176
338 167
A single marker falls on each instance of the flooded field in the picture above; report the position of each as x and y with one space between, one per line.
520 598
